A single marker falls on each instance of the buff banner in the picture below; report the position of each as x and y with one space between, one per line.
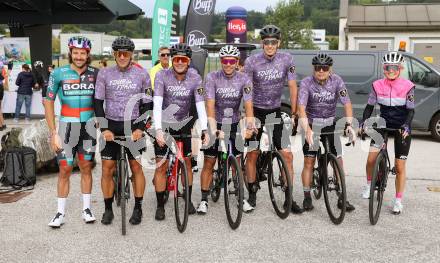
197 29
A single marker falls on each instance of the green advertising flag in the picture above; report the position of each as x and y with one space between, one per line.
163 12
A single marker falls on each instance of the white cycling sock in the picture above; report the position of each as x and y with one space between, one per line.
86 201
62 205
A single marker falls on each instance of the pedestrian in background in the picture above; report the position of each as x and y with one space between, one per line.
2 79
25 82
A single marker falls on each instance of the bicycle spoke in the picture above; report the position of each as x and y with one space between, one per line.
279 185
233 192
334 190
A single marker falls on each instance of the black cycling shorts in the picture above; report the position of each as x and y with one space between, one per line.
334 141
162 152
230 132
76 138
281 137
401 147
111 149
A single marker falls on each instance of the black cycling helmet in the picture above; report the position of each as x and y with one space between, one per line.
123 44
181 49
322 59
270 31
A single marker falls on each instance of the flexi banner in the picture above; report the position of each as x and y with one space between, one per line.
197 30
162 21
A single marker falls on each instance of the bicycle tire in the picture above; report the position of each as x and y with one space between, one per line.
377 186
216 186
181 194
117 182
122 176
317 184
332 160
286 188
243 170
238 191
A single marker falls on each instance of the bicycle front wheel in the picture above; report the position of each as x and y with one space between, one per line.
280 185
123 176
233 192
181 196
335 194
118 189
377 187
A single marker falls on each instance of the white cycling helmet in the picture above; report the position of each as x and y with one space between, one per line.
229 51
38 64
392 58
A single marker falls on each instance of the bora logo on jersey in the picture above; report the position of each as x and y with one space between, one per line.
71 88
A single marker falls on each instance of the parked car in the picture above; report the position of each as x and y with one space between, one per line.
359 69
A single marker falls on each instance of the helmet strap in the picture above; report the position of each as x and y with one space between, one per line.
123 69
180 76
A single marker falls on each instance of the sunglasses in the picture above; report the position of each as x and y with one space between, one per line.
164 55
231 61
177 60
391 67
270 42
324 68
126 54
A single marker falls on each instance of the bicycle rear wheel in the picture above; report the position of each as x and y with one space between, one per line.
216 185
233 192
243 160
377 188
280 185
317 183
335 194
181 196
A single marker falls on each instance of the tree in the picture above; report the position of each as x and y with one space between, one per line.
325 19
70 29
333 42
287 16
255 20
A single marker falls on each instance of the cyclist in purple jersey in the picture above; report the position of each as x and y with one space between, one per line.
395 95
175 89
225 89
126 90
317 100
74 136
269 71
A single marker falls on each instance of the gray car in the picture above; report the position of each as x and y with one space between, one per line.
359 69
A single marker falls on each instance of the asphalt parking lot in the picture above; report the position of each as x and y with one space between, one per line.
311 237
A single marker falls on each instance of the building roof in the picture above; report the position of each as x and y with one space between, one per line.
394 16
66 11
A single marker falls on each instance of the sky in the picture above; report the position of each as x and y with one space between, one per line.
221 5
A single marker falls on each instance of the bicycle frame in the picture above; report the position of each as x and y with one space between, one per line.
171 179
266 156
222 157
122 160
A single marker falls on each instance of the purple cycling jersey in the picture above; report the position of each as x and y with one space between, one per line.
320 101
117 88
227 93
269 76
178 93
